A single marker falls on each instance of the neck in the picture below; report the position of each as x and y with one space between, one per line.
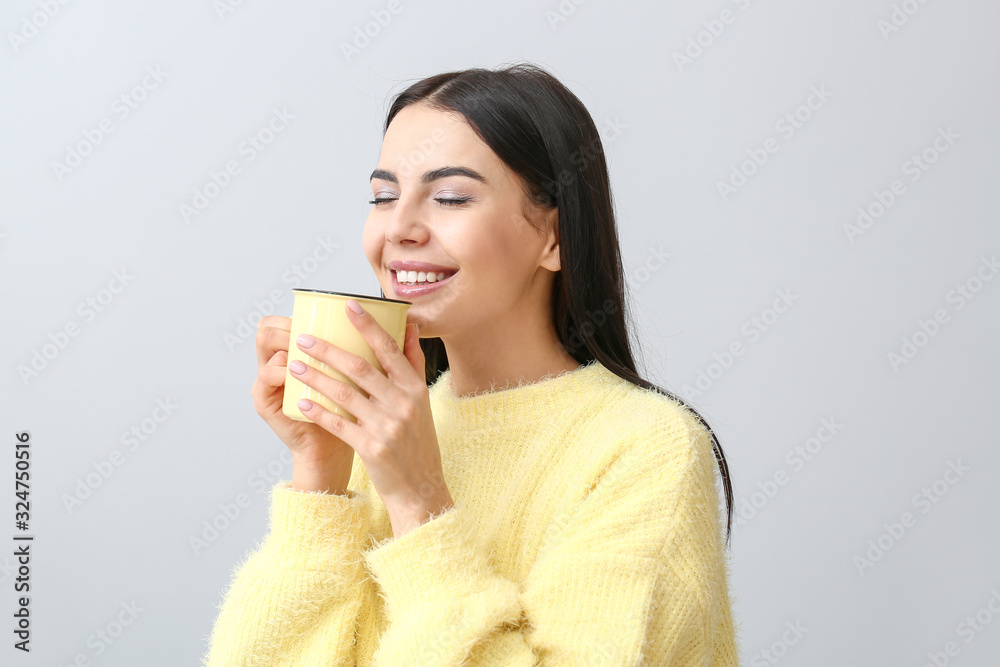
505 357
503 372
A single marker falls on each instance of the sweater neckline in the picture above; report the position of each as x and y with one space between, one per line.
551 394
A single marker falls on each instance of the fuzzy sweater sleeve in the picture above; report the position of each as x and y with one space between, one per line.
300 592
633 573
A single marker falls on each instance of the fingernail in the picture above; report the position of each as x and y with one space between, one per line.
305 340
355 306
297 367
305 404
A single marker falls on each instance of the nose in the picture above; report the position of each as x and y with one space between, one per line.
404 224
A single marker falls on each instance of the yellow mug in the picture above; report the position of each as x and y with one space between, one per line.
322 314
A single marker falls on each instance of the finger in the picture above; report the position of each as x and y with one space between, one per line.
341 393
276 322
357 369
386 350
271 339
352 434
273 376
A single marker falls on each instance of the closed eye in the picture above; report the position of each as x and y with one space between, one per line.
443 200
453 202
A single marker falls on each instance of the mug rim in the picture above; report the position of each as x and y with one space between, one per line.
353 296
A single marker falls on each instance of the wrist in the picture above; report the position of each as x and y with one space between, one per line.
410 517
312 476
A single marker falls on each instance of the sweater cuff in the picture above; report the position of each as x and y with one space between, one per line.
318 531
442 559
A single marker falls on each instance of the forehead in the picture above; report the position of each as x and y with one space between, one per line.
420 138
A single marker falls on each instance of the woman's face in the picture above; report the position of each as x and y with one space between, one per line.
468 218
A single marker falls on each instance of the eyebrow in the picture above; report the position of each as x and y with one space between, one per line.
430 176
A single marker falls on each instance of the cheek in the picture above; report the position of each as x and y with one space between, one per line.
505 250
501 238
476 253
372 240
496 265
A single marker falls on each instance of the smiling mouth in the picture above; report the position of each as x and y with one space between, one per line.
415 278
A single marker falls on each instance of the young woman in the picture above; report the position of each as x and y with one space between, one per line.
512 493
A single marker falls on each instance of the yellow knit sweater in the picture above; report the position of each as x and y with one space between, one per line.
587 530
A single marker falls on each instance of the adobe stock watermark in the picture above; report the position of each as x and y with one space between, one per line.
435 646
370 30
927 329
779 647
968 629
32 24
562 12
899 17
88 310
422 152
786 126
121 108
225 7
608 130
656 259
593 320
438 647
133 438
924 500
588 326
623 468
246 327
752 330
262 480
249 149
105 636
705 38
797 457
8 568
914 167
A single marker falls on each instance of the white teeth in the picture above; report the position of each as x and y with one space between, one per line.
418 277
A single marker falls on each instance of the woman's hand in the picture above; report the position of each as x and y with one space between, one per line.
395 435
321 461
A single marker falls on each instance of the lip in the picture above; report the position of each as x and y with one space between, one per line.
403 291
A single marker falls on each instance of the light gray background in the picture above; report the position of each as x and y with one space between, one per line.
680 131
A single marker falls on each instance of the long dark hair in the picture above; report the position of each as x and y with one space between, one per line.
544 133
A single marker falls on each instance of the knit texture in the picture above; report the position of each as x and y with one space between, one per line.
587 530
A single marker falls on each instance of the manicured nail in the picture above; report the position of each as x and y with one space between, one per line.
297 367
355 306
305 340
305 404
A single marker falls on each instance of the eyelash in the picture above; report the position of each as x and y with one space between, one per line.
442 200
